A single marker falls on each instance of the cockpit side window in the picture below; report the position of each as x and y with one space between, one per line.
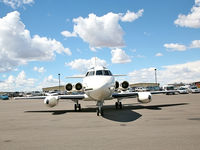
106 73
110 73
99 72
87 74
91 73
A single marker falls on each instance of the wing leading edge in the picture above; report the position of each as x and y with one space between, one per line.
136 94
72 97
69 97
125 95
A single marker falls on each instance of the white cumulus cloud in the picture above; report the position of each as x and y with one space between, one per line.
17 47
131 16
187 73
83 65
68 34
175 47
22 83
142 75
119 56
49 81
18 83
195 44
191 20
159 54
39 69
17 3
103 31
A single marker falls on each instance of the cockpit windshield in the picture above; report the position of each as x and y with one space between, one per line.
103 72
99 73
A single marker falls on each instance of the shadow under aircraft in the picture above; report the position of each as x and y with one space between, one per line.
127 114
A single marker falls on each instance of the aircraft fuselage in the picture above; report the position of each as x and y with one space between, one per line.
99 88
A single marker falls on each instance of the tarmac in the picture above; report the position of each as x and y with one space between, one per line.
168 122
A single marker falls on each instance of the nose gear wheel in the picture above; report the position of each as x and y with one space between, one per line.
77 107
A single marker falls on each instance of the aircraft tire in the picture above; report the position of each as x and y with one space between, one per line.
120 105
75 107
79 107
97 112
116 105
100 112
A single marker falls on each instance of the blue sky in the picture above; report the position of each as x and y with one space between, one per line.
39 39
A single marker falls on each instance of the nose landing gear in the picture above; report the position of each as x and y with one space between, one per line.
77 106
99 108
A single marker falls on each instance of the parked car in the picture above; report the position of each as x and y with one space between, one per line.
36 93
4 97
140 89
194 89
153 88
170 89
183 90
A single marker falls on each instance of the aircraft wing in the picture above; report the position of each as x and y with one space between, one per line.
70 97
136 94
163 92
125 95
31 97
143 97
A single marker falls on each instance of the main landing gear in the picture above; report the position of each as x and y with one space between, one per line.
99 108
118 104
77 106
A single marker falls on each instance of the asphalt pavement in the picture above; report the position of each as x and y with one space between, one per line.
168 122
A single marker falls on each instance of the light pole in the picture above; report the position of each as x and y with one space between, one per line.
155 76
59 82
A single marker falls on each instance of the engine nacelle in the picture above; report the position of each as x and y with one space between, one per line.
144 97
116 84
124 85
68 86
78 86
51 101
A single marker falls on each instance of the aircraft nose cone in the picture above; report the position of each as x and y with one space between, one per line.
100 85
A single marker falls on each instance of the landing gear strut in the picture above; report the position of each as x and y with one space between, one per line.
77 106
99 108
118 104
99 111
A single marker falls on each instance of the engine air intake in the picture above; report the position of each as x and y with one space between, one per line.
125 84
68 87
78 86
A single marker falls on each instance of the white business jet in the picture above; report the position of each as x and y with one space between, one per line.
98 85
